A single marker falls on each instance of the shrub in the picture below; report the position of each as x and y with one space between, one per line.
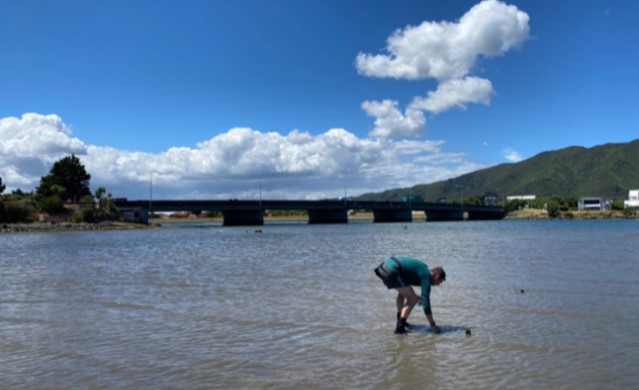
553 208
212 214
14 213
618 204
51 204
84 215
516 204
629 212
88 215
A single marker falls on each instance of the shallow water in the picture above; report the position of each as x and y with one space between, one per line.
550 304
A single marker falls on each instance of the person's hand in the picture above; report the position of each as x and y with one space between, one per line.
435 329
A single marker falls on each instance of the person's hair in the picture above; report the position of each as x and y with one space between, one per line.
439 271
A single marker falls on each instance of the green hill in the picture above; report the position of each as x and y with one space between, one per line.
608 171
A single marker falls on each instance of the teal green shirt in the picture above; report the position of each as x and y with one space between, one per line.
416 273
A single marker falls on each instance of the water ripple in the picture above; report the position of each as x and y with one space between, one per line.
549 305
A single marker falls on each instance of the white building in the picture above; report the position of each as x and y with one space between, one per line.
527 198
593 204
521 197
633 199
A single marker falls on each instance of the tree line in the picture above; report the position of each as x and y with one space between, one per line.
554 205
63 192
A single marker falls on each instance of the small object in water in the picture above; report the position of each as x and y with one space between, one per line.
258 231
467 332
522 291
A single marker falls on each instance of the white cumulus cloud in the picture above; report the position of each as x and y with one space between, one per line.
447 52
30 144
232 164
391 122
455 93
511 155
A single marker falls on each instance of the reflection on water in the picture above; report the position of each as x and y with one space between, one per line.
550 304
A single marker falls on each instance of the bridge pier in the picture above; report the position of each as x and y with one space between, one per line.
392 215
243 217
327 216
444 215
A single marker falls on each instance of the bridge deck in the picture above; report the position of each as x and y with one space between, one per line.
231 205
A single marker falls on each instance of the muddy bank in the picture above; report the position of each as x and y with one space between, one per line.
68 226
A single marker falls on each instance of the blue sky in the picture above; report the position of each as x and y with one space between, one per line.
309 98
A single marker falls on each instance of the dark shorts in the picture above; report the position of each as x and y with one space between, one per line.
391 278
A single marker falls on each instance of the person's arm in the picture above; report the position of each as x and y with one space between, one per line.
427 309
433 326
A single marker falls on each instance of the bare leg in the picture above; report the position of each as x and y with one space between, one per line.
408 300
400 302
411 300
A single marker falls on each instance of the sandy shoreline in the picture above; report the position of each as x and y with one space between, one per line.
69 226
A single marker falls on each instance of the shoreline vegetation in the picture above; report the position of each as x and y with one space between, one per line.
528 214
524 214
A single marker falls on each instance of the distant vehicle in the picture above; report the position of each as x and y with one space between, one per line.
412 198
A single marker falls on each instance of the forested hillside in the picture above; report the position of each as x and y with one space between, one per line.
608 170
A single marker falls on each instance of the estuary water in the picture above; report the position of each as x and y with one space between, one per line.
549 304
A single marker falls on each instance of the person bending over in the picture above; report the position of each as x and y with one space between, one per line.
400 273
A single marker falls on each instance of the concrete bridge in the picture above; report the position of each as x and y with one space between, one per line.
251 212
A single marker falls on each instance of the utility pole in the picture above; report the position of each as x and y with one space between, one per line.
344 192
461 187
151 192
260 192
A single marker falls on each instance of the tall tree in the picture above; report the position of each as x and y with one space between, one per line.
2 186
67 178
